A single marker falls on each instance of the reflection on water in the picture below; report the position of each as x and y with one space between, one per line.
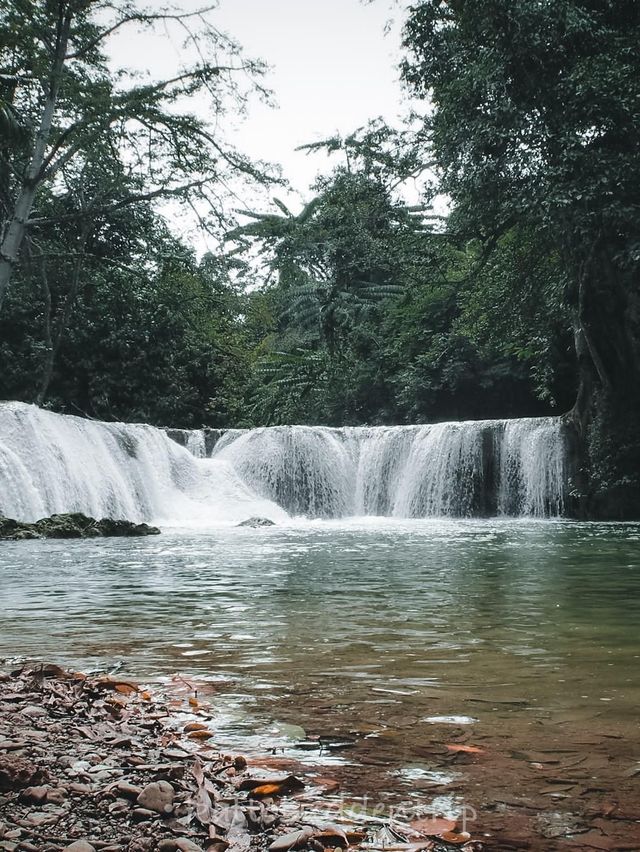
353 625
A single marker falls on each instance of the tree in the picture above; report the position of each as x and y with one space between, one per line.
56 86
331 268
535 122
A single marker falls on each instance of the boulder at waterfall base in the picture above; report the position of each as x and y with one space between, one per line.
71 525
257 522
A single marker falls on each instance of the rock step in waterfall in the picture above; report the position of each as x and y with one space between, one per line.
59 463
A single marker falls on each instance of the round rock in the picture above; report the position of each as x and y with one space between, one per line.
158 797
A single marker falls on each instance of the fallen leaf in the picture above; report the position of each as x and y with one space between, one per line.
433 826
272 786
456 839
204 810
200 735
292 840
466 749
125 688
195 726
267 790
331 836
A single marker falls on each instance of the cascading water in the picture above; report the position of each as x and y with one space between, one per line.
54 463
473 468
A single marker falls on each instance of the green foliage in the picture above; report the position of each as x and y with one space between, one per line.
159 342
379 318
534 118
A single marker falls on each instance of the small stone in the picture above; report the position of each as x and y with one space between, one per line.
80 789
57 796
167 845
79 846
142 814
141 844
257 522
17 773
128 791
158 797
33 711
12 745
186 845
35 795
41 818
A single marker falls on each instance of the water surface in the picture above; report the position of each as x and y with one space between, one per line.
369 626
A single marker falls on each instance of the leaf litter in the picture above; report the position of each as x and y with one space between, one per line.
99 764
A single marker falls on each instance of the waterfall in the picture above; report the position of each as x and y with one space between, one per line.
473 468
57 463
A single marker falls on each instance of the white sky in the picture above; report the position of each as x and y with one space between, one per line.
332 69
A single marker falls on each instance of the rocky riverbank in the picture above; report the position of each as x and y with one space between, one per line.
99 764
71 525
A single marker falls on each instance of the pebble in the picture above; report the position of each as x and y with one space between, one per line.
35 795
79 846
182 844
80 789
158 797
186 845
141 814
40 818
33 711
57 796
129 791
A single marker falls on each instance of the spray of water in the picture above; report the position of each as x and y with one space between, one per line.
53 463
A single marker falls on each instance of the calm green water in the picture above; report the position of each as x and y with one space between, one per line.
349 625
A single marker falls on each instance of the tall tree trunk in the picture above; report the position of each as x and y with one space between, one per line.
53 341
607 411
16 225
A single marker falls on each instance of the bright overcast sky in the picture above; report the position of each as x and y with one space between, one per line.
332 69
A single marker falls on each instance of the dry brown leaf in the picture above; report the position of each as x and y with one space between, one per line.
200 734
456 839
465 749
433 826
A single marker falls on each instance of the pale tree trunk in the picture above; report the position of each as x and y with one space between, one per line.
16 225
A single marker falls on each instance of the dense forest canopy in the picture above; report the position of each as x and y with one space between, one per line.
356 307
